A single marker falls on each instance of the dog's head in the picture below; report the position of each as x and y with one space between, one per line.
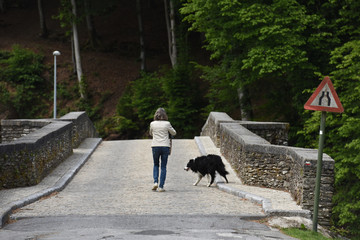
189 165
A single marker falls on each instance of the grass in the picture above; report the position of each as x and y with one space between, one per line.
304 234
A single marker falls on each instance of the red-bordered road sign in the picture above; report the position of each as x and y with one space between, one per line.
324 98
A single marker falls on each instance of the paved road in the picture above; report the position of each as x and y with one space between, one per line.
111 198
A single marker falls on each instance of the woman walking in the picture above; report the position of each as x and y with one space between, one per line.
160 129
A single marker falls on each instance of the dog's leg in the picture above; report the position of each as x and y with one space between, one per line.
224 176
212 179
199 179
226 179
208 178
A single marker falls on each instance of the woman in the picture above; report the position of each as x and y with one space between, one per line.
159 130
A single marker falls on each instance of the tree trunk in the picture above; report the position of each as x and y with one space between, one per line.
2 5
90 24
141 35
77 50
245 104
44 31
170 26
73 54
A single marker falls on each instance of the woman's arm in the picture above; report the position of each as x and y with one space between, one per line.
171 130
150 130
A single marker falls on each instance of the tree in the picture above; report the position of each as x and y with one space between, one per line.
2 5
343 130
141 35
259 42
77 50
90 23
68 19
44 30
343 136
170 26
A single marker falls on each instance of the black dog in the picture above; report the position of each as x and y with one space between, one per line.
207 165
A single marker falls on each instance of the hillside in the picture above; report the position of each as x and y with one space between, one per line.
109 68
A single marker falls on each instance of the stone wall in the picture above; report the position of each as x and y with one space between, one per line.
260 163
33 148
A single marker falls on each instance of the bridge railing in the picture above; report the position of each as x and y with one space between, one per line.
258 162
30 149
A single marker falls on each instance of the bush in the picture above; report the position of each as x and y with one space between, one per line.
117 125
138 104
24 88
184 104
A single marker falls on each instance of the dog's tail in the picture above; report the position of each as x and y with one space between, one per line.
223 171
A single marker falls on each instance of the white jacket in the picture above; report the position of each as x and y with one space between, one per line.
160 131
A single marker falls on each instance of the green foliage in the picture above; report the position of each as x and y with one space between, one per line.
24 88
222 94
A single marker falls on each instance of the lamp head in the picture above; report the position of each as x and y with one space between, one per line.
56 53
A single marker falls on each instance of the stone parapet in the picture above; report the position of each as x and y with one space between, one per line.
31 149
258 162
274 132
27 160
82 127
212 126
16 128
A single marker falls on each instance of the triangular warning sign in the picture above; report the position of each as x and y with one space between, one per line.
324 98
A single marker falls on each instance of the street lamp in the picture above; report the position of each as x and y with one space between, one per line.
55 53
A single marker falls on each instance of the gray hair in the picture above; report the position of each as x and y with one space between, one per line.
160 114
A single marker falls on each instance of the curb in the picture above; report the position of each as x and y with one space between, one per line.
58 186
265 202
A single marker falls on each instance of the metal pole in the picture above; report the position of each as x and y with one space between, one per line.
55 53
319 170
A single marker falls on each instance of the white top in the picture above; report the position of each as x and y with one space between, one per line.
160 131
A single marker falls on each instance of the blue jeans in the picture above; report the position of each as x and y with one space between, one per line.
158 152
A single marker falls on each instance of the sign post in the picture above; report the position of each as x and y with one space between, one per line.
324 99
318 170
